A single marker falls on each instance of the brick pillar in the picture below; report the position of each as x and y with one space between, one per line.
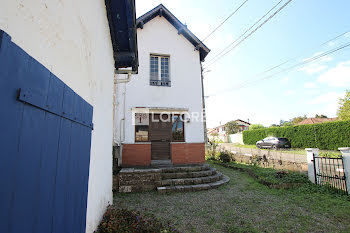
310 164
346 163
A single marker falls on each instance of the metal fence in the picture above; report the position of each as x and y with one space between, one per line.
330 172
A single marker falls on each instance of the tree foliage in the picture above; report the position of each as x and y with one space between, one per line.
320 116
231 127
256 126
298 119
344 107
328 136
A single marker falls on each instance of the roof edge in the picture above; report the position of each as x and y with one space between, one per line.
162 11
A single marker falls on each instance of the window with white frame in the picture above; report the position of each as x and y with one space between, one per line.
159 71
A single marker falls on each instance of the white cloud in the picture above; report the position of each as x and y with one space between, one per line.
328 104
329 97
347 35
331 43
290 92
315 67
285 80
338 76
310 85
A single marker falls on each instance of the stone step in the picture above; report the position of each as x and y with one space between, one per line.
189 174
189 181
161 163
196 187
193 168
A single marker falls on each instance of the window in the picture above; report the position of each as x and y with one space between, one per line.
141 127
159 71
178 129
141 133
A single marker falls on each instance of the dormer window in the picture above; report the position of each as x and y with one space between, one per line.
159 70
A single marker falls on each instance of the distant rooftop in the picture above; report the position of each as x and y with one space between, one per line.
309 121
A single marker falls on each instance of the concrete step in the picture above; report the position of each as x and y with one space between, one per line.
161 163
191 181
188 174
196 187
193 168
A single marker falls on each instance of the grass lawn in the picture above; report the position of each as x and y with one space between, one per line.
245 205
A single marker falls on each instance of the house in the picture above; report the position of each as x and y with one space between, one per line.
58 61
159 110
219 132
243 125
309 121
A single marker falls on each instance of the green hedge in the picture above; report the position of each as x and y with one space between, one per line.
326 136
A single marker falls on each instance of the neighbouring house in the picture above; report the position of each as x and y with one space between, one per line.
159 110
219 132
57 68
309 121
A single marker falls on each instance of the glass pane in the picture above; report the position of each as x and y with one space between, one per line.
164 68
154 68
177 129
141 133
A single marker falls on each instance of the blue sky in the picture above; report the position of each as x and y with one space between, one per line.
296 32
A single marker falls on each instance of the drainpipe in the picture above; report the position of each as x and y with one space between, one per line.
118 81
204 113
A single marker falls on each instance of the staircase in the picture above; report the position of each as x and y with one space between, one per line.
190 178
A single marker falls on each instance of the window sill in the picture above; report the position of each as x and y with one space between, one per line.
160 83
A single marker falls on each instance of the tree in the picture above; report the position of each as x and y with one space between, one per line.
231 127
344 107
288 123
320 116
256 126
298 119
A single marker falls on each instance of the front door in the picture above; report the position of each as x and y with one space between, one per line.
160 136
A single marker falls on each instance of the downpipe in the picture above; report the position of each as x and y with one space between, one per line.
117 81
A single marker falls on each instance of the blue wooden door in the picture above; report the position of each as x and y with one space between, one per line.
45 139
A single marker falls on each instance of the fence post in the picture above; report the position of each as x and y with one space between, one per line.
346 164
310 163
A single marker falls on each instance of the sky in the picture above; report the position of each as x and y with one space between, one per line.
234 86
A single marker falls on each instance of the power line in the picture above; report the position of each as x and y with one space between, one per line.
259 26
223 50
310 60
225 20
294 58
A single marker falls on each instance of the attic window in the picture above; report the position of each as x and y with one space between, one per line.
159 70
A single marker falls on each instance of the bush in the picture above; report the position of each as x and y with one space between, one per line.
211 155
225 157
325 136
125 221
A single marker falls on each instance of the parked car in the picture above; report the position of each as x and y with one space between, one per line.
273 143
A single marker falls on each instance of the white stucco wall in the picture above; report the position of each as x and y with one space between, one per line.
159 37
72 39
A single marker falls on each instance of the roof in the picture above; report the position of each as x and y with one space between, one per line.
122 24
308 121
234 120
162 11
243 121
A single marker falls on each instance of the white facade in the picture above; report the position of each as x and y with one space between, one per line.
72 39
158 36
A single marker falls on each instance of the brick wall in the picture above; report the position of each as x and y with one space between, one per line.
136 155
187 153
